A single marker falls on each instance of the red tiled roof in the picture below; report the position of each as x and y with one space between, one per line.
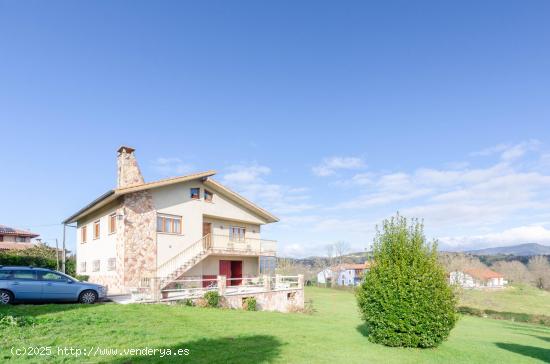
6 230
483 273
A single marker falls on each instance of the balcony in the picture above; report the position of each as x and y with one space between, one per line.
222 244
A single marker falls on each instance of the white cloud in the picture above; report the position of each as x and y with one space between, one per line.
329 166
460 200
246 174
171 166
250 181
512 236
509 152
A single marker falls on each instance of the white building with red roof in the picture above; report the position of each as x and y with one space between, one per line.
477 278
15 239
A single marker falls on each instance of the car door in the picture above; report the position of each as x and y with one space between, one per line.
25 286
57 287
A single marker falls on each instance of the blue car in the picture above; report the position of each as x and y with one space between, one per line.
27 284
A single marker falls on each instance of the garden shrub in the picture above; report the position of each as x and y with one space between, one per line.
511 316
40 256
82 277
187 302
250 304
405 298
212 298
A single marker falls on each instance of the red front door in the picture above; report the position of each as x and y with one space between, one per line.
232 270
225 268
236 272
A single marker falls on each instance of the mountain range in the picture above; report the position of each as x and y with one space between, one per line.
519 250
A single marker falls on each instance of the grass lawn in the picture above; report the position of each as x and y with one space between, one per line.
334 334
521 299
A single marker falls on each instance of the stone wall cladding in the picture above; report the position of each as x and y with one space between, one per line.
139 238
112 283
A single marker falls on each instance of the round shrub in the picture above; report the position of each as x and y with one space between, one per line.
212 298
405 298
250 304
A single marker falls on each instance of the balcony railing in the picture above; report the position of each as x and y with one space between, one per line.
246 245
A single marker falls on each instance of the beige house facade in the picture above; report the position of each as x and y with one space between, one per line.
188 227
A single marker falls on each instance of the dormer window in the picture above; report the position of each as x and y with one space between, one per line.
208 196
195 193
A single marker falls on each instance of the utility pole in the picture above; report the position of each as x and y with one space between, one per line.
56 254
63 253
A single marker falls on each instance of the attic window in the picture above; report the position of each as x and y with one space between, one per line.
208 196
195 193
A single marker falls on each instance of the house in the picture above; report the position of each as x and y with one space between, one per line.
477 278
15 239
177 229
347 274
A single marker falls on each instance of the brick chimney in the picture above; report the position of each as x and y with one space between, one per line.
128 170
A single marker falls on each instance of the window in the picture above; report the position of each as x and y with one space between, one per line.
5 274
208 196
96 230
83 234
195 193
82 267
95 266
51 276
1 237
20 239
169 224
112 223
111 264
236 233
24 274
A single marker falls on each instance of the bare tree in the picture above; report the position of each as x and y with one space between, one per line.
514 271
540 271
460 261
340 248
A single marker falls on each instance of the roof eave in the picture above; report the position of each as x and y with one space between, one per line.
268 217
74 217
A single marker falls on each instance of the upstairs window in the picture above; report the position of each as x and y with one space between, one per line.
236 233
208 196
169 224
95 266
96 230
195 193
82 267
112 223
83 234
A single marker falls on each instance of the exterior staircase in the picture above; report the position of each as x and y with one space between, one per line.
176 266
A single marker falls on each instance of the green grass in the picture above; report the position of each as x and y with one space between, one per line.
521 299
333 334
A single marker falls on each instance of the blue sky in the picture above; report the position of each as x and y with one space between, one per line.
332 115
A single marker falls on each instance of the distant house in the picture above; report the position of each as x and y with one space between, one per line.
477 278
347 274
15 239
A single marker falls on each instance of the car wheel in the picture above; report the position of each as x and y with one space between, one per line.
6 297
88 297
